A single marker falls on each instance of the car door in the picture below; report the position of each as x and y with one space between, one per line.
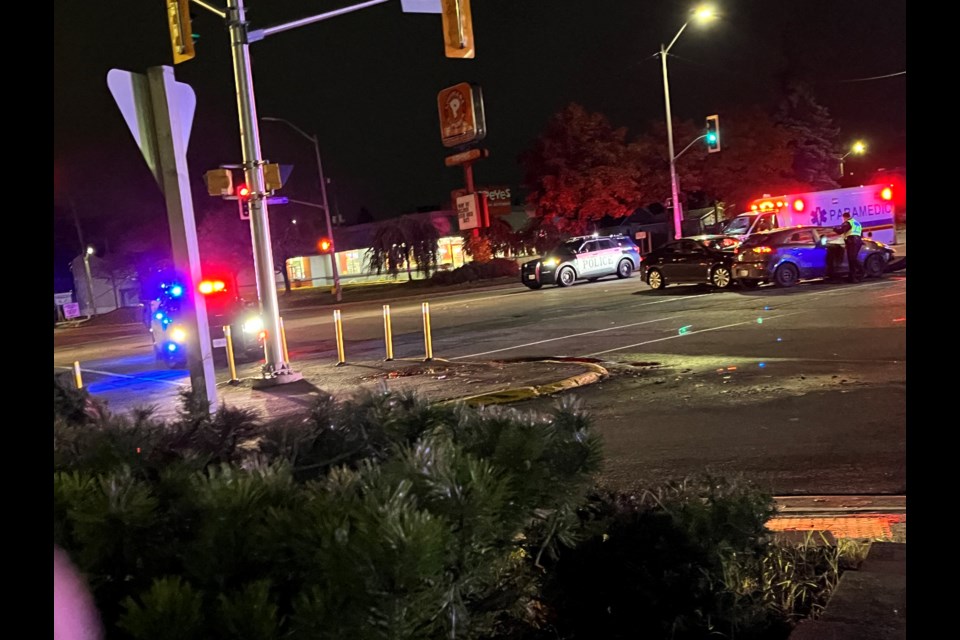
803 249
587 260
608 253
688 262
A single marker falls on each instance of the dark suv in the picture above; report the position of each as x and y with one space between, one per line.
582 258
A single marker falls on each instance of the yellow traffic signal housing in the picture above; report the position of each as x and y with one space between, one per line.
457 29
219 182
271 177
181 31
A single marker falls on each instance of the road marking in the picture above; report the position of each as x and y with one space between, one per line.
123 375
572 335
691 333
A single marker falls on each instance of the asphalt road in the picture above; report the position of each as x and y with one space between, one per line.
801 389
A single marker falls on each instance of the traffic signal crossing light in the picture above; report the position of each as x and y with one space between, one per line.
713 133
324 245
181 30
457 28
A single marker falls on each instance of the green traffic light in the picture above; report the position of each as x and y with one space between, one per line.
711 138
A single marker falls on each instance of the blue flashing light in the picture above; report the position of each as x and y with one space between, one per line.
766 308
171 346
158 315
176 291
762 365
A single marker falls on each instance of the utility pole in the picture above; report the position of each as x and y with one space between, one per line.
86 260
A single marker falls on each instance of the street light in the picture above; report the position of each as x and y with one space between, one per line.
701 14
859 148
323 194
86 267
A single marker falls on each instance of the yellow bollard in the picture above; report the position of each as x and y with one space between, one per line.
427 341
76 374
283 340
338 324
387 331
231 362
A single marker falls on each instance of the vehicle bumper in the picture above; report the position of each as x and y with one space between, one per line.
536 273
749 271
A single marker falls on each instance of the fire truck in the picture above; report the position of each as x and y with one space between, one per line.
872 205
224 306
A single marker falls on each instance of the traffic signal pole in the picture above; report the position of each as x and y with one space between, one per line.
275 369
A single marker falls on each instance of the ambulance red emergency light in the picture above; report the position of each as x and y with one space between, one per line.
872 205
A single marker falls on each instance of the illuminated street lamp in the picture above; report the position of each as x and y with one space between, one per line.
323 194
701 14
858 148
86 267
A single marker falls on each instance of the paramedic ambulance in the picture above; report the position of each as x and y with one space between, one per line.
872 205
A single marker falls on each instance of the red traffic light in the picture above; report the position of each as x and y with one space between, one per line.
324 245
243 191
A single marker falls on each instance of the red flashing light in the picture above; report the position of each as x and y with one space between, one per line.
324 245
212 286
798 205
262 335
886 193
753 208
243 191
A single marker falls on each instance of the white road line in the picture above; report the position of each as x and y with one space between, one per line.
123 375
572 335
690 333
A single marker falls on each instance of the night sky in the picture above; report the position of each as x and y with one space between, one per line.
366 84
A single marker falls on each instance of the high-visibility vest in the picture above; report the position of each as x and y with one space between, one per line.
856 229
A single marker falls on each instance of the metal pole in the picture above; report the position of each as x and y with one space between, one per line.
326 211
231 362
76 374
283 339
427 340
90 294
388 332
677 209
338 325
275 369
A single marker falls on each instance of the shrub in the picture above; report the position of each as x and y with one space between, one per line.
381 516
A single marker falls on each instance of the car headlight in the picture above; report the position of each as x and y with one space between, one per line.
253 325
551 262
178 334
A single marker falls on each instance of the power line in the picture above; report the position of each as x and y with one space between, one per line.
889 75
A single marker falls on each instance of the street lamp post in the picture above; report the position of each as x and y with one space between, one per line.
703 13
858 148
86 267
323 195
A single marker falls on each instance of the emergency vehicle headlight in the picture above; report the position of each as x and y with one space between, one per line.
178 334
551 262
253 325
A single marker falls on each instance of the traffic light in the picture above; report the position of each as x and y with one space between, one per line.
243 201
457 28
713 133
181 30
324 245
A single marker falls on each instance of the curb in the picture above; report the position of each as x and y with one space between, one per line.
516 394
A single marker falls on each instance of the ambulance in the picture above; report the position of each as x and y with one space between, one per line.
872 205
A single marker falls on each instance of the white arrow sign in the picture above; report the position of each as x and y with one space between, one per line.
132 94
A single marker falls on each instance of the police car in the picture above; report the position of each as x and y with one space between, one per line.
582 258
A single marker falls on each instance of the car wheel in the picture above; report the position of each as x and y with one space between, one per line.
655 280
749 284
566 277
721 277
873 267
624 269
533 285
786 275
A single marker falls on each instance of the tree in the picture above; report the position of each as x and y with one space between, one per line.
400 242
577 171
813 137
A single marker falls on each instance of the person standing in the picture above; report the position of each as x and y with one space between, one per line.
852 231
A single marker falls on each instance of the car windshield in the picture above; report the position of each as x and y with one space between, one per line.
740 224
720 244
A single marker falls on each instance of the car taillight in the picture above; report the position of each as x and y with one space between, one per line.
762 249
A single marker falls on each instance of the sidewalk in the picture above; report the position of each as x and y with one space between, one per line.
438 380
